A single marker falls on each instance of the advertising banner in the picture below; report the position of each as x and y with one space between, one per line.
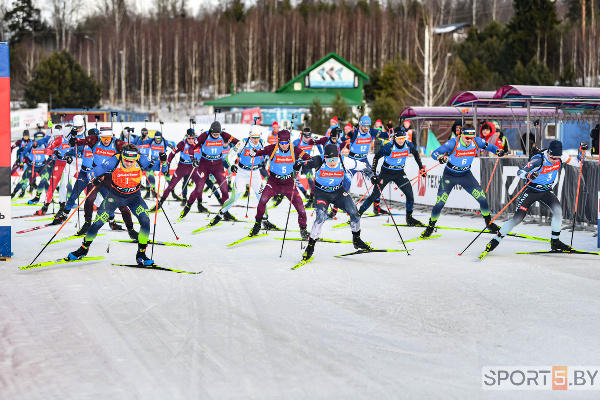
5 241
331 75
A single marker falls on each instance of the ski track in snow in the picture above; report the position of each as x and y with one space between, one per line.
381 325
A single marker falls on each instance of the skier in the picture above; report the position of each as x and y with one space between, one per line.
208 161
124 170
156 146
329 189
541 172
306 143
184 167
20 145
359 145
246 172
394 158
459 154
283 155
42 164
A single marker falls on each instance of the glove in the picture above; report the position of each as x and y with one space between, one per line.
73 141
195 163
532 175
583 146
374 179
500 152
298 165
163 157
442 159
34 145
252 152
233 168
56 153
73 132
422 172
97 181
69 159
390 126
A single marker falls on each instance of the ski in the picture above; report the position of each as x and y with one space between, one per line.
519 235
340 225
276 229
371 251
25 216
151 242
156 267
72 237
42 220
318 240
303 262
596 253
422 238
485 253
34 228
60 261
245 238
206 227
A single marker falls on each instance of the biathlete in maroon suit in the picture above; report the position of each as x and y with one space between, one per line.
208 154
281 179
185 166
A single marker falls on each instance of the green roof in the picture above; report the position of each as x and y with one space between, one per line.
275 99
300 77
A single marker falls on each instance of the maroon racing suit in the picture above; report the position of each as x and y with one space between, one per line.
210 153
183 168
279 183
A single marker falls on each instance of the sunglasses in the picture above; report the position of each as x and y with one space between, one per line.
128 159
284 143
256 137
468 137
333 159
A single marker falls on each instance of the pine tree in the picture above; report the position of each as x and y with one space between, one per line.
23 20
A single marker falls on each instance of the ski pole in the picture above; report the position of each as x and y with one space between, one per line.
491 176
166 216
63 224
288 216
501 211
155 215
390 211
251 171
577 197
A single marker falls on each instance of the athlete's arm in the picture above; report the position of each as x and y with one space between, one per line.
444 149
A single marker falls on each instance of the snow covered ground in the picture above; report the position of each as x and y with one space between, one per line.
371 326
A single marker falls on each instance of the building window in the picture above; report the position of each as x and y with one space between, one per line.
550 131
297 85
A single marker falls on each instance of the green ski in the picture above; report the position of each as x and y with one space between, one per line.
520 235
422 238
72 237
206 227
596 253
150 242
60 261
318 240
303 262
372 251
156 267
245 238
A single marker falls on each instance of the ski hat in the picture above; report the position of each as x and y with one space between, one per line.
283 136
456 124
93 132
189 134
106 131
333 121
38 135
26 133
331 151
555 148
158 135
275 124
349 125
130 153
78 121
468 130
306 132
378 123
365 120
215 127
255 132
400 132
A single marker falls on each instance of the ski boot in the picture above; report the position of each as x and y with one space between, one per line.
216 219
173 195
311 202
557 245
277 199
358 243
492 244
60 217
202 209
492 227
185 210
429 230
140 256
378 210
80 252
22 194
160 203
228 217
410 221
147 195
42 210
304 233
255 228
14 192
269 226
114 225
331 214
133 235
84 228
247 192
35 199
184 200
309 249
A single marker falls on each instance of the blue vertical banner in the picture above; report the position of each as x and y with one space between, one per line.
5 242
